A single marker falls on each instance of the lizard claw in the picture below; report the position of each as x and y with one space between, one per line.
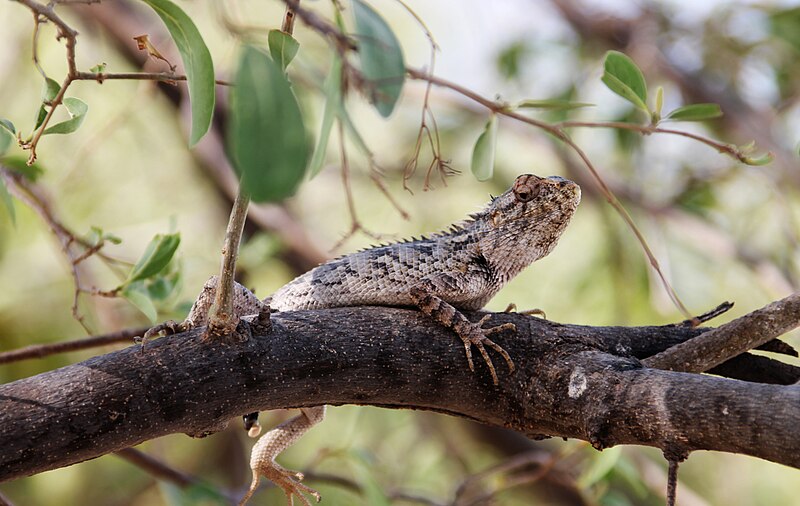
477 336
284 478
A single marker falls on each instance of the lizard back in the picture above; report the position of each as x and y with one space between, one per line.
469 263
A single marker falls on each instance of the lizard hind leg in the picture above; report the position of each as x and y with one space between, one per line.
262 458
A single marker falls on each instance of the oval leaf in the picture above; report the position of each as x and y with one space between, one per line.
283 47
553 104
381 57
196 60
8 126
40 116
155 257
483 152
50 90
77 110
624 78
333 104
136 295
267 139
695 112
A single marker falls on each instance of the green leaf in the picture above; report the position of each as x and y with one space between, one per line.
155 257
50 90
695 112
97 234
509 60
381 58
483 152
764 159
77 111
98 69
283 47
136 295
8 126
8 203
197 61
659 101
162 287
552 103
333 105
624 78
267 140
40 116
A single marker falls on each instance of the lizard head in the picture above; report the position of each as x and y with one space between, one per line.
525 222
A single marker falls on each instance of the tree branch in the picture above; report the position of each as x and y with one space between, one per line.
715 347
572 381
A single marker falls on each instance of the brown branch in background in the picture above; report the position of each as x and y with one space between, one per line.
156 468
5 501
44 350
342 42
716 346
521 469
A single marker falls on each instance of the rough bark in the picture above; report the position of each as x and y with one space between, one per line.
571 381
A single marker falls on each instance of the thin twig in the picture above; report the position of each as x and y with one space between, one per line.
163 472
558 132
355 224
732 339
167 77
672 482
45 350
724 148
28 194
5 501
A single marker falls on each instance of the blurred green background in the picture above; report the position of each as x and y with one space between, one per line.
721 230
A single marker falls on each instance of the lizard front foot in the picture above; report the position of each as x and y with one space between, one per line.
284 478
168 328
472 334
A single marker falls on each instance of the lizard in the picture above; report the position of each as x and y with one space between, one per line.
442 274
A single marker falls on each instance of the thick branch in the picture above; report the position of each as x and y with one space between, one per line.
571 382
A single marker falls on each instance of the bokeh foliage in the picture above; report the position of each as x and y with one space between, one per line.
721 230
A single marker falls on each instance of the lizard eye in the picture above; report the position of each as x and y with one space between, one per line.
526 193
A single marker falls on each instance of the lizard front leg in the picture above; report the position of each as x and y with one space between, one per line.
245 303
262 458
425 297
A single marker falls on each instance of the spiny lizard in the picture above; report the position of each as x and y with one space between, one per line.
441 274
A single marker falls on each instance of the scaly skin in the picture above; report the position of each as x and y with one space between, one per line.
441 274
